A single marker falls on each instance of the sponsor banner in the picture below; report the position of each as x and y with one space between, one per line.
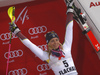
14 54
34 21
5 37
22 71
43 47
43 67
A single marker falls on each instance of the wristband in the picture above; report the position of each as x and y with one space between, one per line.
17 30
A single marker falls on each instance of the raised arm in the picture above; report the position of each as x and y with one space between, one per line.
69 31
69 27
36 50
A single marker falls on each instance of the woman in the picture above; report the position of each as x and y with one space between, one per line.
58 56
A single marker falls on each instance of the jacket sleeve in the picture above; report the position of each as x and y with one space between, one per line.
68 36
35 49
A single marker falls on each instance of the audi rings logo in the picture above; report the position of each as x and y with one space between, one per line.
36 30
43 67
6 36
14 54
22 71
43 47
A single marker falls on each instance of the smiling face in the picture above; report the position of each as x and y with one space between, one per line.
54 43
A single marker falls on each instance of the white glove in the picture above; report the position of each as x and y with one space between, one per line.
69 4
14 28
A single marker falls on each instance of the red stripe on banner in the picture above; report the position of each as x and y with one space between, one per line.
94 41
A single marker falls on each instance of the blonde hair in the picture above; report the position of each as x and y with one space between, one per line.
50 48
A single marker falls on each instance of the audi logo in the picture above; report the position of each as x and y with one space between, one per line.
43 67
22 71
14 54
37 30
43 47
6 36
